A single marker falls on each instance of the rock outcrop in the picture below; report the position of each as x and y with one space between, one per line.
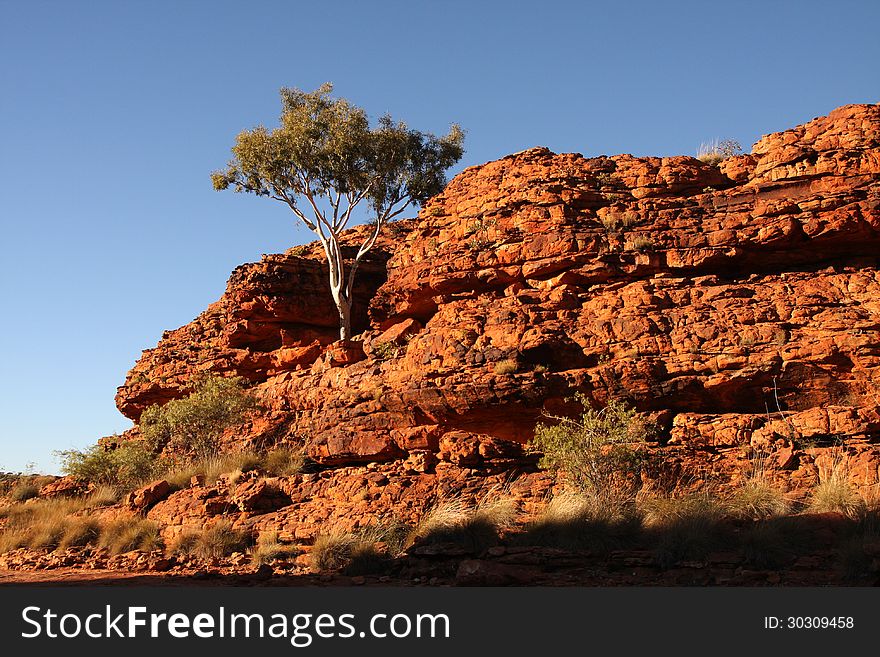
738 305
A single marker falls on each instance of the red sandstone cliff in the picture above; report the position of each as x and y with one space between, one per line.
739 304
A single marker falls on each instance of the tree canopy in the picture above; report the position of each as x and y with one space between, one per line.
324 159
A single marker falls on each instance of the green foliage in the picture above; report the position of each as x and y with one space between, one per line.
600 452
385 350
194 424
325 145
324 160
130 464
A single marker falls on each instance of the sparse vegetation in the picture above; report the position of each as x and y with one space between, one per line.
614 220
124 467
283 461
193 425
360 552
715 152
129 534
578 521
601 453
214 542
212 467
756 497
506 366
385 350
686 527
24 490
639 243
269 548
472 527
835 491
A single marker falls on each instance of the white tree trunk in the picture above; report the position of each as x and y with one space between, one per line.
343 305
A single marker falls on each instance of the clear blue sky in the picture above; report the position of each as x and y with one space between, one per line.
113 115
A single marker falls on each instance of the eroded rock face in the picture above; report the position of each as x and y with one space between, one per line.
738 304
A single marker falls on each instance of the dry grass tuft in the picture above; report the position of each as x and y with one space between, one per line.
581 521
214 542
756 498
212 468
130 534
835 491
283 462
269 548
474 527
507 366
683 528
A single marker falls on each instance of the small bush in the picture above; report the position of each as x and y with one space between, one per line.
686 527
103 496
614 220
715 152
195 423
639 243
385 350
129 465
79 532
363 552
601 453
765 545
333 551
24 490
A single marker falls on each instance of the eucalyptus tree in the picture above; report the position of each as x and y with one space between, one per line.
324 160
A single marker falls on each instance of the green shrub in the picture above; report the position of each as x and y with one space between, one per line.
194 424
601 453
385 350
130 464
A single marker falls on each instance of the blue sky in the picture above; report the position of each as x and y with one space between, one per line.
115 113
